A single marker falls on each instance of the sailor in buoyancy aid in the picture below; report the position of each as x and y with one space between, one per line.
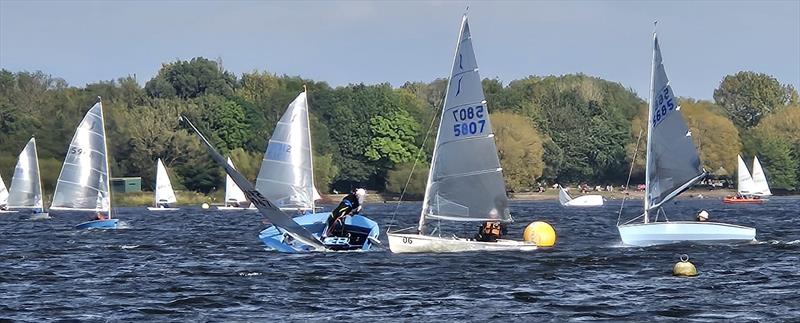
490 231
350 205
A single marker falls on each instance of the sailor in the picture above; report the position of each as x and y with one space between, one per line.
350 205
163 204
702 216
490 231
99 216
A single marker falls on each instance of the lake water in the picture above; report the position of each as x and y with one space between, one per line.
195 265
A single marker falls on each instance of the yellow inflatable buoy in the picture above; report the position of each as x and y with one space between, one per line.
684 268
540 233
205 206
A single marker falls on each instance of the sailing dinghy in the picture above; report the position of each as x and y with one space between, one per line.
4 197
297 237
585 200
287 178
465 181
26 185
83 184
164 194
749 190
672 166
234 197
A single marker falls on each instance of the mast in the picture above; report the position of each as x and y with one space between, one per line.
648 151
155 193
105 144
38 174
421 226
310 151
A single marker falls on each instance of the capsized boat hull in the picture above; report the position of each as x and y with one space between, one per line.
743 200
658 233
416 243
361 230
150 208
99 224
585 201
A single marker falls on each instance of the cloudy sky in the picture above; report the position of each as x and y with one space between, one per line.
343 42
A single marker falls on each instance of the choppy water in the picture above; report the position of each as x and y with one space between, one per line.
196 265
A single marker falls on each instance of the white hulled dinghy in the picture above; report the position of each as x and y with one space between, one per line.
26 185
465 181
286 177
83 184
164 194
673 165
584 200
298 236
234 197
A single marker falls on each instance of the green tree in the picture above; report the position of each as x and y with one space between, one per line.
392 138
713 134
324 172
748 96
397 178
520 149
191 79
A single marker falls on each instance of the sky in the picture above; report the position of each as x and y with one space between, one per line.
344 42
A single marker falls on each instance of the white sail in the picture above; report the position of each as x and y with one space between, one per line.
563 196
286 176
465 182
745 184
84 180
3 193
760 185
164 191
673 164
26 185
233 194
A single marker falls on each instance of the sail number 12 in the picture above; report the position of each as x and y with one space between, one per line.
466 123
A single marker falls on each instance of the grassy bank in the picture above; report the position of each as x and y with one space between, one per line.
146 198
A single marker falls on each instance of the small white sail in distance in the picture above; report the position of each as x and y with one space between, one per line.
745 184
233 194
164 192
26 185
760 185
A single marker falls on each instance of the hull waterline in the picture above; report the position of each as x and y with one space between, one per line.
659 233
415 243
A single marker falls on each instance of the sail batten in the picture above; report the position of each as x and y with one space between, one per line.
465 180
83 183
26 187
287 174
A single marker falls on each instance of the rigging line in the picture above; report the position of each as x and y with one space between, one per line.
630 172
414 166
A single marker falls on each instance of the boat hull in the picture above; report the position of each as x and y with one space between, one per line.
150 208
734 200
40 216
99 224
416 243
235 208
586 201
361 230
658 233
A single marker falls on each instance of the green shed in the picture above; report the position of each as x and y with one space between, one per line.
126 184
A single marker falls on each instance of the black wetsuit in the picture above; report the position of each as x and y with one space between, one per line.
348 204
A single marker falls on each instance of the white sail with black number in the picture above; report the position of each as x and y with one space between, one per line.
286 176
465 182
760 185
745 184
673 164
233 194
84 180
164 192
26 186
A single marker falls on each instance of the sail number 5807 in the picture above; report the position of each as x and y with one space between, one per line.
466 123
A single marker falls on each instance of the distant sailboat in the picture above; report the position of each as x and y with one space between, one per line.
26 185
585 200
4 197
673 165
234 197
83 184
164 194
749 189
465 181
286 178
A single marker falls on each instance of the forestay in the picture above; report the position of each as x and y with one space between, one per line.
745 184
84 180
673 164
760 185
164 191
232 192
286 176
26 188
465 182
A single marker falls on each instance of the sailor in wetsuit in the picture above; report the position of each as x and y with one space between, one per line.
350 205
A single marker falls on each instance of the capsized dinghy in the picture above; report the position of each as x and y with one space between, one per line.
83 184
298 235
673 166
584 200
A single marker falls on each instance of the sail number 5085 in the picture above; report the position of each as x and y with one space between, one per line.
466 123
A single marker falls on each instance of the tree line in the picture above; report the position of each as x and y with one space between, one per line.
568 129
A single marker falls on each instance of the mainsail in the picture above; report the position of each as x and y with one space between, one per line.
3 193
164 191
465 181
84 180
760 187
286 176
26 186
745 184
673 164
563 196
233 194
